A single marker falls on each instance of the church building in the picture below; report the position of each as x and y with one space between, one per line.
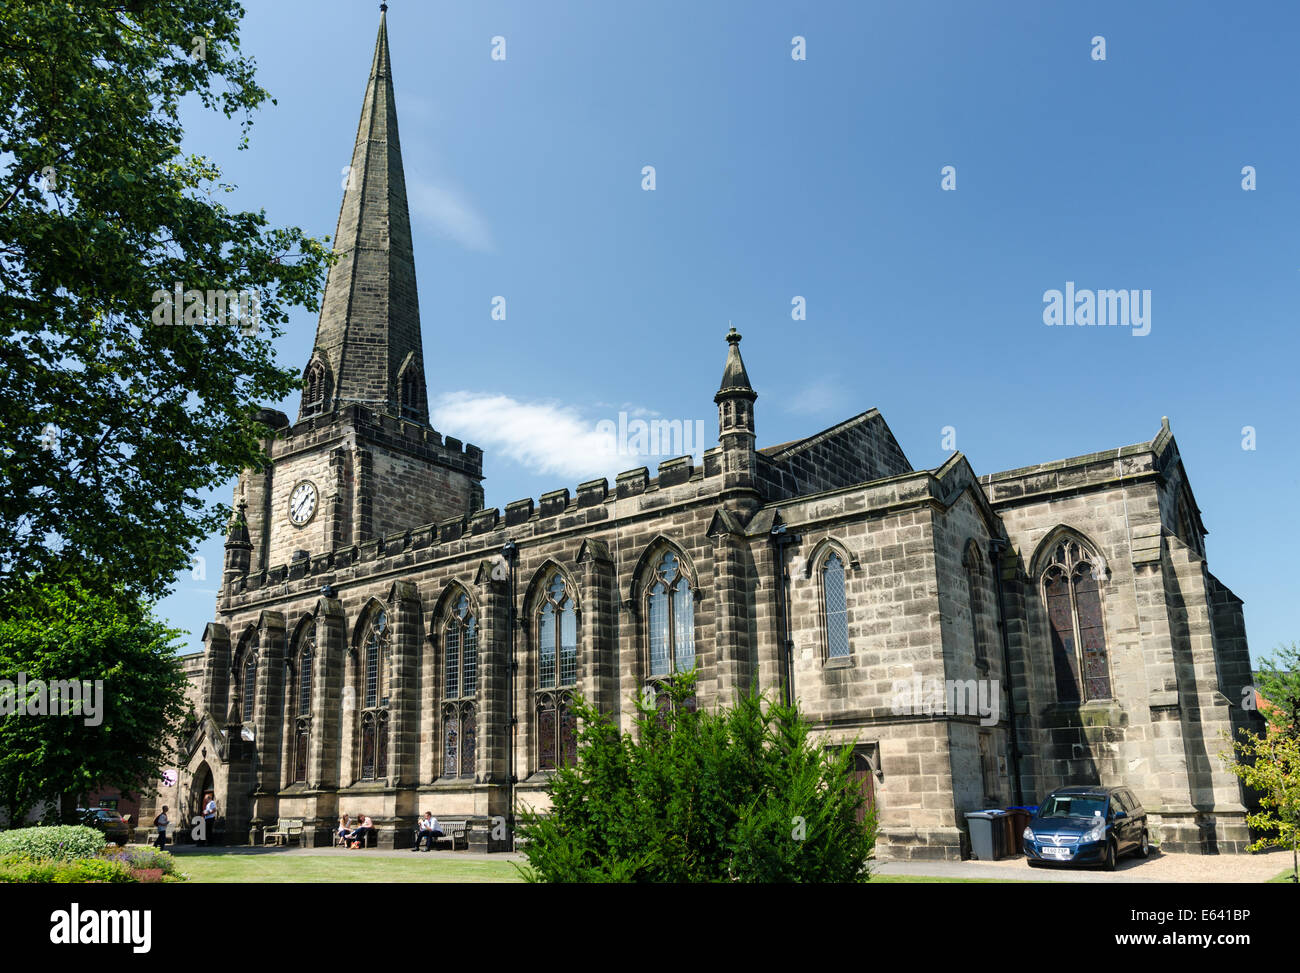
385 644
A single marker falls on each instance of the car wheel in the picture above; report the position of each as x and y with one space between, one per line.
1144 849
1109 861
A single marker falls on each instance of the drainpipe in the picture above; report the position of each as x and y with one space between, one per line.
511 553
996 547
780 539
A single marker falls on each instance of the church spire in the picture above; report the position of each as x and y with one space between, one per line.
735 400
368 348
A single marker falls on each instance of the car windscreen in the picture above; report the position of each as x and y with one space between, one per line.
1073 805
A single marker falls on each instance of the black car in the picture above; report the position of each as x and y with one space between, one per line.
108 821
1087 826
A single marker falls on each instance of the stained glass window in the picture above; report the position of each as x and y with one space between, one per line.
304 675
375 646
374 721
467 741
557 731
250 685
557 636
836 608
460 683
671 618
1072 591
450 742
301 738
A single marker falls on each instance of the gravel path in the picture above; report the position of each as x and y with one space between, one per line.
1158 868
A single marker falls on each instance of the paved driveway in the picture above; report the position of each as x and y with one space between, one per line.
1158 868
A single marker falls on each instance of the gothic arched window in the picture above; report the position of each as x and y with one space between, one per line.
974 566
413 394
249 685
557 673
460 686
671 618
313 388
374 716
1072 592
835 607
302 723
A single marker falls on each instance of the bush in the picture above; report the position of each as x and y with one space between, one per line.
142 858
92 870
742 795
23 868
59 843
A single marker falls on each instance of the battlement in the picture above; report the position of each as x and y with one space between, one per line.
403 435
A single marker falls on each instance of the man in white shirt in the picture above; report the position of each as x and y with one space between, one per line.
427 829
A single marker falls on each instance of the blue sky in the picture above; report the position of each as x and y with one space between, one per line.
820 178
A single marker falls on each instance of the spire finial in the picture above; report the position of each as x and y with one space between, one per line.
383 8
733 336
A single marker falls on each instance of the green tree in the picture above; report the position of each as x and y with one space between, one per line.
71 634
742 795
1278 682
111 424
1270 764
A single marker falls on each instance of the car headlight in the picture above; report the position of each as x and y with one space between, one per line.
1097 833
1028 835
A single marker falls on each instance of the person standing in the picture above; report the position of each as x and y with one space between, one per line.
209 820
161 822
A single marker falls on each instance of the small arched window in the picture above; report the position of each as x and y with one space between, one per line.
1072 591
835 607
671 618
413 393
313 389
975 582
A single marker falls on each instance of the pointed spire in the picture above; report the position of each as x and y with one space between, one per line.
368 338
735 380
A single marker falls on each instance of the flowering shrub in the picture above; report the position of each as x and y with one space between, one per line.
142 858
59 843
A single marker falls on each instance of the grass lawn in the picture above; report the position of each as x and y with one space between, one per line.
1286 876
216 867
272 868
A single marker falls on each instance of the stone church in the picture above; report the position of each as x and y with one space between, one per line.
386 644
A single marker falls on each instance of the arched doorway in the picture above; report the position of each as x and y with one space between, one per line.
201 788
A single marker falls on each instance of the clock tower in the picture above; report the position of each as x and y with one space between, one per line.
362 461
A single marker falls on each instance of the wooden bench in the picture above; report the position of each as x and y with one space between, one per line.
285 830
454 834
342 842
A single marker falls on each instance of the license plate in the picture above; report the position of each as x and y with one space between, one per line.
1057 853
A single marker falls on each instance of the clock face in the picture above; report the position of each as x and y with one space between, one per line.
302 502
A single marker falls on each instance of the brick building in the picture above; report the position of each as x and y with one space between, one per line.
370 607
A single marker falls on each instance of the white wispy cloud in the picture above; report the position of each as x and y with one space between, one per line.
450 213
556 439
544 437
